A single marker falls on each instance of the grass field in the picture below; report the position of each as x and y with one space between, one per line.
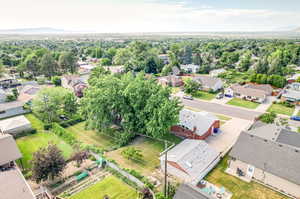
243 103
32 143
239 188
281 109
204 95
91 136
110 186
35 122
150 150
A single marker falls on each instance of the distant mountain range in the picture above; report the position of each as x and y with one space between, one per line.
41 30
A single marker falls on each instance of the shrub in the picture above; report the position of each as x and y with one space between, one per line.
64 134
268 118
47 126
132 153
71 122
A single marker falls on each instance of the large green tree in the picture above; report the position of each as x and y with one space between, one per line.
68 62
48 65
136 104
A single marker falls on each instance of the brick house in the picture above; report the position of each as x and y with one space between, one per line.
195 125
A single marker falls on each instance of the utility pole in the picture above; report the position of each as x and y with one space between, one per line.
166 172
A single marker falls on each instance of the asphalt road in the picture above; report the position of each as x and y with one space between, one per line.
221 109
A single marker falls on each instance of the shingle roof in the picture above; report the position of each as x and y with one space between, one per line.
275 158
189 192
10 105
263 87
207 81
289 138
293 94
13 122
8 149
194 156
248 91
202 121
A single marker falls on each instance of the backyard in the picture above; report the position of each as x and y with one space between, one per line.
33 142
243 103
150 149
281 109
91 136
239 188
110 186
204 95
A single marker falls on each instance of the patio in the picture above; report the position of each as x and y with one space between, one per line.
214 191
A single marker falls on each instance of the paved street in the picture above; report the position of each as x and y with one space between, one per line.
222 109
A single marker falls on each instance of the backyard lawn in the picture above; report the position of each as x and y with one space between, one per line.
239 188
110 186
31 143
281 109
243 103
35 122
91 136
204 95
150 149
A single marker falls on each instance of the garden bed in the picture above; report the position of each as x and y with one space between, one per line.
110 186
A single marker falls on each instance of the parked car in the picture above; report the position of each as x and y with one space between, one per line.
188 97
297 118
220 96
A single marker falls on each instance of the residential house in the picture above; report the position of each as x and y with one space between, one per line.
8 82
209 83
10 109
115 69
291 93
15 125
270 155
170 80
196 125
190 160
267 88
217 72
28 92
248 92
12 183
164 58
75 83
187 191
190 68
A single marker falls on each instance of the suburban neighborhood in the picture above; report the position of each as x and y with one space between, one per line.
166 100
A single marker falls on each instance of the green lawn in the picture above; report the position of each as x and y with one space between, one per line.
204 95
35 122
243 103
150 150
110 186
32 143
239 188
281 109
91 136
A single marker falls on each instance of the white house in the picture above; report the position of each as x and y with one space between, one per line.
190 68
191 160
209 83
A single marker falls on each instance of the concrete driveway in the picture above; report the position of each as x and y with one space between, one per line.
264 106
230 131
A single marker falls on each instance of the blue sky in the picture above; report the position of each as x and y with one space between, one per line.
151 15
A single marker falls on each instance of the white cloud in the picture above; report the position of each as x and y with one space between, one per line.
150 16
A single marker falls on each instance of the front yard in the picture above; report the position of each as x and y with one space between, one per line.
243 103
204 95
239 188
111 187
281 109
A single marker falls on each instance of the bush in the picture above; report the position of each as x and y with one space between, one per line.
132 153
56 80
268 118
47 126
64 134
71 122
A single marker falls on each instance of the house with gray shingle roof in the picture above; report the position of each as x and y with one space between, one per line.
209 83
270 155
191 160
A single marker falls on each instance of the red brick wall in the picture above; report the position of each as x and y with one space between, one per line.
180 131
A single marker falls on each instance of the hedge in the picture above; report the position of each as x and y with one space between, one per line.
71 122
64 134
